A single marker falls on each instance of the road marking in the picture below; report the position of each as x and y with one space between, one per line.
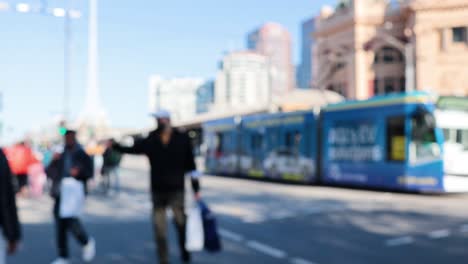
260 247
115 257
301 261
267 250
314 210
138 258
438 234
336 207
253 219
464 229
399 241
323 209
230 235
282 215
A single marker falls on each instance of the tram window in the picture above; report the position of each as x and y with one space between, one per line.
452 135
297 138
219 143
289 139
464 138
447 135
396 141
293 139
256 142
423 146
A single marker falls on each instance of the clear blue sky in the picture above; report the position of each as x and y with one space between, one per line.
137 38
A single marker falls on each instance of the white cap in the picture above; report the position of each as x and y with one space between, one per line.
161 113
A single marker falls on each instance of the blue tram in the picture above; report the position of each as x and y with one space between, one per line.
387 142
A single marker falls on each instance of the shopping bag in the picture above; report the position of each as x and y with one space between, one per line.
194 230
72 197
210 228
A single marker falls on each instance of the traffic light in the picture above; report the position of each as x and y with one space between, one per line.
62 128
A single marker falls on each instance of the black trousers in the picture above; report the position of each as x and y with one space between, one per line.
174 200
65 225
21 181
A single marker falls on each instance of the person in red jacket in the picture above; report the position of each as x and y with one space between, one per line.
21 157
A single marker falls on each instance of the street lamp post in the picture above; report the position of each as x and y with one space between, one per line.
67 52
409 68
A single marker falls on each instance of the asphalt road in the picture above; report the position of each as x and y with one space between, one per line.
264 222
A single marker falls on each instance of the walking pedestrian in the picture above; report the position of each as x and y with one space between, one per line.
110 167
20 158
72 163
9 224
171 156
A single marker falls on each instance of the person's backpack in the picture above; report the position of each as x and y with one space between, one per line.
112 157
115 157
210 228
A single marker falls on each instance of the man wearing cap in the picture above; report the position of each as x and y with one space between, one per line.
171 156
75 163
9 224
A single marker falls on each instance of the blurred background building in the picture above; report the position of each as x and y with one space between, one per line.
274 41
177 95
364 48
304 70
243 80
205 97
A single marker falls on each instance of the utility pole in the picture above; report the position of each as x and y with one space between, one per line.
67 52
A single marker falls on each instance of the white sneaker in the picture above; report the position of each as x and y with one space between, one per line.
61 261
89 250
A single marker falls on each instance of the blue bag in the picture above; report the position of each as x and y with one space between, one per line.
210 229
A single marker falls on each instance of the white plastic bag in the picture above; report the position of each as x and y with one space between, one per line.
72 197
195 239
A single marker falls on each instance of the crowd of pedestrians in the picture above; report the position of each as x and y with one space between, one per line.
69 168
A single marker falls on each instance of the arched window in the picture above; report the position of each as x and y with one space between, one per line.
388 55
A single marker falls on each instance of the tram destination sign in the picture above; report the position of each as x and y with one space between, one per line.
453 103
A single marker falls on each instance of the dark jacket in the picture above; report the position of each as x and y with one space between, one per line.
56 170
170 163
111 158
8 213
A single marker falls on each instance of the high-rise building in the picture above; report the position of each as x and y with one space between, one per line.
304 71
274 41
177 95
242 81
205 97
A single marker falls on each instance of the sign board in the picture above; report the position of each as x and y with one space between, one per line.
453 103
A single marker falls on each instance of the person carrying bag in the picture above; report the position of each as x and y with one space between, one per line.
69 173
